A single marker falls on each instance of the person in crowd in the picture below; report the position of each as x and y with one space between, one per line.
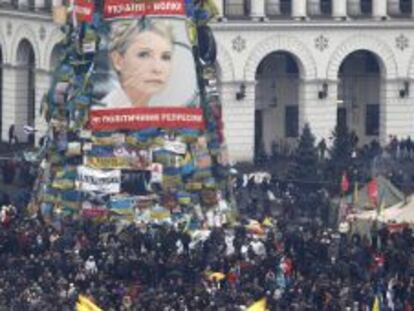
12 135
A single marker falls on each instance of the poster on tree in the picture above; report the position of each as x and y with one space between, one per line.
145 59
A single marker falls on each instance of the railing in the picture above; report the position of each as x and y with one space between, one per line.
237 9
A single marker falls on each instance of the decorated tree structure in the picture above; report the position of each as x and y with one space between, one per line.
134 116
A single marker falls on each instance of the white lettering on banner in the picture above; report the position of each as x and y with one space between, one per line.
171 117
83 10
128 118
90 179
167 6
175 146
126 8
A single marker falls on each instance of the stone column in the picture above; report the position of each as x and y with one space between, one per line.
379 9
353 7
238 119
23 3
396 113
257 10
220 7
319 113
339 9
21 101
39 4
9 99
299 9
314 8
412 8
393 7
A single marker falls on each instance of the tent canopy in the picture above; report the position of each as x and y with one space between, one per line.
388 195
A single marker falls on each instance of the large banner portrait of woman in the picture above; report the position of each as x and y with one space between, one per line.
145 60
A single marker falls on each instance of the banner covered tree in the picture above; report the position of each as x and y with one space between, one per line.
134 116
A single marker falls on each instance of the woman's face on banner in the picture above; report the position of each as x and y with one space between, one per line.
145 67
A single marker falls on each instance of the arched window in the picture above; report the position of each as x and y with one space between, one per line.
359 94
366 7
276 101
26 88
286 7
326 7
406 7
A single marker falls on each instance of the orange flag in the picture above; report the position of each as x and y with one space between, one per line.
373 191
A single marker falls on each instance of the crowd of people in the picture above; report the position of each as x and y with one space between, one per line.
299 260
296 265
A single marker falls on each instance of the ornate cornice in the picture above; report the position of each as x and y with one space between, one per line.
313 24
26 15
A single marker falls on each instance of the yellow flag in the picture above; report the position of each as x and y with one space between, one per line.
267 222
382 207
376 305
259 305
80 307
85 304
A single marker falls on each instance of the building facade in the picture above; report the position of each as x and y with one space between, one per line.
281 63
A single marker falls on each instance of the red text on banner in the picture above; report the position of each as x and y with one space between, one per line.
84 10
